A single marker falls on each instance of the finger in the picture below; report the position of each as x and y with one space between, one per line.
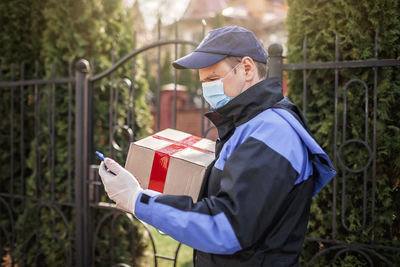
113 166
104 174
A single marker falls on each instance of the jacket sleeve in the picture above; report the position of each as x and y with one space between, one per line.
255 181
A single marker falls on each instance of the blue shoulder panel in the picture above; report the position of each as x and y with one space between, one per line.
323 166
272 130
210 234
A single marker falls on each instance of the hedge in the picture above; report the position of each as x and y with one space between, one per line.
356 24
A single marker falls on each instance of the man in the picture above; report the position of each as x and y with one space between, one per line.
255 205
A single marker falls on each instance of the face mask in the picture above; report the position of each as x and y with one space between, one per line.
214 93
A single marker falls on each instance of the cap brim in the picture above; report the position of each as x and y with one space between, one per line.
197 60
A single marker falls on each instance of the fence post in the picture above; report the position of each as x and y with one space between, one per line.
275 60
81 162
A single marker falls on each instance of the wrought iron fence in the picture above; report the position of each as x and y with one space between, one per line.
335 245
75 211
83 190
36 97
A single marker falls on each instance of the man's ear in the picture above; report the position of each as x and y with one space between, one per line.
250 68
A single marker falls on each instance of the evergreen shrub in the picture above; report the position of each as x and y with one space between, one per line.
356 24
53 35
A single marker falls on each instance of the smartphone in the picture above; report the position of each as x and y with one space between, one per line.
100 155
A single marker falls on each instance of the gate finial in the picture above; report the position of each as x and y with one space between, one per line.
275 60
83 66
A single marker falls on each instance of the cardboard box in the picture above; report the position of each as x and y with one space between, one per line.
171 162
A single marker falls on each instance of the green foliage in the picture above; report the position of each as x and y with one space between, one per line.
20 36
151 79
166 71
167 246
45 238
119 235
355 23
188 77
55 34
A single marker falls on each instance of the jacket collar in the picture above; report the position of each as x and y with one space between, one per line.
246 106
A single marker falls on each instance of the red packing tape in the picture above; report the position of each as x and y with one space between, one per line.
161 159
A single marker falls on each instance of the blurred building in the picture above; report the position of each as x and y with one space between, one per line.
266 18
188 116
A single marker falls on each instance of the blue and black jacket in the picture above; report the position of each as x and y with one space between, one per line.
256 199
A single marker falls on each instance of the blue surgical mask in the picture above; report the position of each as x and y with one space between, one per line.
214 93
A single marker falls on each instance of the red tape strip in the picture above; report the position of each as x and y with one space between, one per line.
161 159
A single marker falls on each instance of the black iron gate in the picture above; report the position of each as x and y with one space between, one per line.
76 210
87 228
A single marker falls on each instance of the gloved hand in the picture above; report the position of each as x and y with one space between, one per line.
121 186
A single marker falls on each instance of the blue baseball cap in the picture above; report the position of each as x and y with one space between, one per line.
221 43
